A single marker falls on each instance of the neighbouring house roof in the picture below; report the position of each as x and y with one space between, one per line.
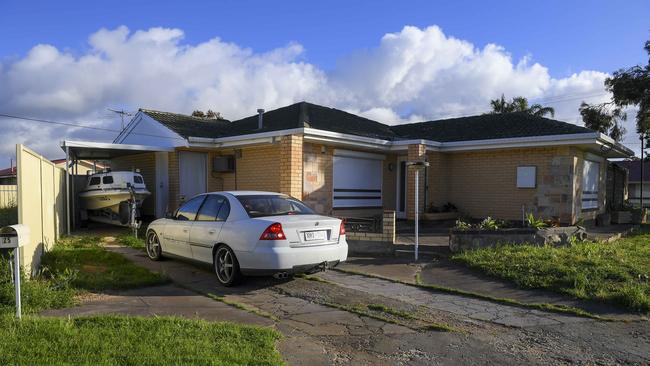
8 172
187 126
634 167
486 127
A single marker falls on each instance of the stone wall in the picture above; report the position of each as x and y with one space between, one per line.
460 240
317 177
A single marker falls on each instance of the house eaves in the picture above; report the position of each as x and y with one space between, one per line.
593 140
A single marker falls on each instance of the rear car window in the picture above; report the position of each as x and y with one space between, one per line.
137 179
268 205
107 179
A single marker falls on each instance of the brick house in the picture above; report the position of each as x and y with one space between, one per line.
342 164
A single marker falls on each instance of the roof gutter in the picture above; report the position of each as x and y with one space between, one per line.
343 139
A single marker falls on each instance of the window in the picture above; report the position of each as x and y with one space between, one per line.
137 179
108 179
267 205
526 177
211 207
188 211
94 181
224 212
590 180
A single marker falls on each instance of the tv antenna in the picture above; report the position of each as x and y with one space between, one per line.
122 113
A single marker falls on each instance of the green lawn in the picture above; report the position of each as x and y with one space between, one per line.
91 267
617 273
79 264
117 340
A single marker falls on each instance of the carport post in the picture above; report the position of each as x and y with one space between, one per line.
67 189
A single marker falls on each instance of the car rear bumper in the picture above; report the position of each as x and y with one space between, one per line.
271 260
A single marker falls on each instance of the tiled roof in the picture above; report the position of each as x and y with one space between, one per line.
8 172
187 126
304 114
486 127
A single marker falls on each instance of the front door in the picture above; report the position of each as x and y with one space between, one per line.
400 205
193 169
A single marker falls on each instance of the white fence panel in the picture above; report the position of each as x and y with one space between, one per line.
8 196
41 203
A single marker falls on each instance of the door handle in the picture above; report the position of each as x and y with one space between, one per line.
212 231
185 230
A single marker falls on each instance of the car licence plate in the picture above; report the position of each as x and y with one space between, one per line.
315 235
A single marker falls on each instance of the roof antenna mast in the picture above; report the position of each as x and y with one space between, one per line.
122 113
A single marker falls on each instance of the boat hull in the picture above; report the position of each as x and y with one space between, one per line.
105 199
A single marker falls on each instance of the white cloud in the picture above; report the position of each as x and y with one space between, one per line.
415 74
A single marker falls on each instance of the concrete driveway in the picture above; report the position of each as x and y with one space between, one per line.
322 326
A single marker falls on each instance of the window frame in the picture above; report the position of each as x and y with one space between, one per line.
202 197
523 186
208 196
593 196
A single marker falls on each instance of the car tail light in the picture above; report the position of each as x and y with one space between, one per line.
273 232
342 229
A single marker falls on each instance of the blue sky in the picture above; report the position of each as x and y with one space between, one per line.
566 36
392 61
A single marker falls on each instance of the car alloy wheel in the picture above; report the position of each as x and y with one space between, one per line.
154 251
226 266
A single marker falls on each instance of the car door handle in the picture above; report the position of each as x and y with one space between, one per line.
185 230
212 231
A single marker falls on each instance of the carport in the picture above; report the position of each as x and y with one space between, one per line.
94 151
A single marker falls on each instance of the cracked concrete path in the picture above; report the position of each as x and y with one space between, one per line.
473 308
320 335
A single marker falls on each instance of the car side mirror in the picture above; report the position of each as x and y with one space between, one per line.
169 215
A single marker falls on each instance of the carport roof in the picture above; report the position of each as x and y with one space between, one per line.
88 150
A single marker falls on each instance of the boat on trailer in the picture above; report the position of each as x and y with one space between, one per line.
108 196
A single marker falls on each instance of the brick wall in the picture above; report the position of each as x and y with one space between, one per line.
416 152
174 186
387 233
146 162
483 183
291 165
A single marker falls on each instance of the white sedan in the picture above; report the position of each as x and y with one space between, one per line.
249 233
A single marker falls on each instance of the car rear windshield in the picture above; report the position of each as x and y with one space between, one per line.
267 205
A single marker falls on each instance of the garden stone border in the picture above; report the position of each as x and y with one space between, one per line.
460 240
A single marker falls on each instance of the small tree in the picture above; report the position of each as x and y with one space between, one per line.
604 118
519 104
198 113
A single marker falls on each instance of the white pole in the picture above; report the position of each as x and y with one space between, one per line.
17 280
417 215
67 188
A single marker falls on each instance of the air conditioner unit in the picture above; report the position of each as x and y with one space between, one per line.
223 164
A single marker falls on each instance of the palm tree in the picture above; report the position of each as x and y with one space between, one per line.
519 104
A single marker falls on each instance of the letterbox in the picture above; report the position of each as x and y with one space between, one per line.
14 236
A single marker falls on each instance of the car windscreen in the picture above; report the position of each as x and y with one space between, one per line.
268 205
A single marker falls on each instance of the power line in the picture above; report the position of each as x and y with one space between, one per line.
83 126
